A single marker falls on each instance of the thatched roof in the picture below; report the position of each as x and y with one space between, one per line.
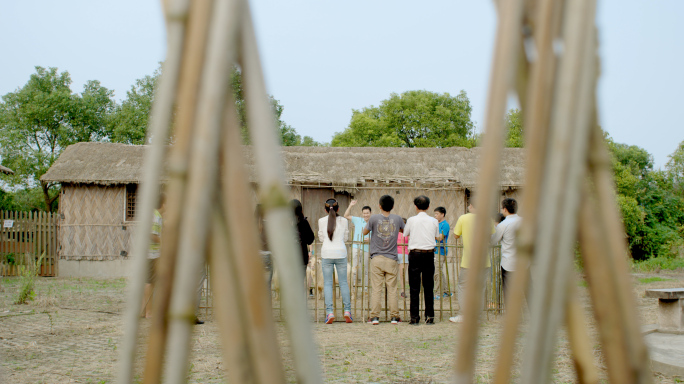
6 170
107 163
97 163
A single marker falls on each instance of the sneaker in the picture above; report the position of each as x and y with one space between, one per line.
329 318
447 294
430 321
348 317
396 320
375 320
415 321
437 297
403 294
456 319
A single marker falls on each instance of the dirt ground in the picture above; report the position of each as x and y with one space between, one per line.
71 331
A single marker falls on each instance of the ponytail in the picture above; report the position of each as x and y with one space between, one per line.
331 207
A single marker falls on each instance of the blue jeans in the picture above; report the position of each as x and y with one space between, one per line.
341 266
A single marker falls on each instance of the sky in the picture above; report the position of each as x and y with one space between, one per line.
323 59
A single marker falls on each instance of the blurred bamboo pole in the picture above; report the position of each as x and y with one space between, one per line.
263 351
202 183
578 335
160 121
502 81
233 326
625 352
573 103
602 172
188 88
278 213
536 116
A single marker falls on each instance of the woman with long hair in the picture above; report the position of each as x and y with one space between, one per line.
332 231
305 235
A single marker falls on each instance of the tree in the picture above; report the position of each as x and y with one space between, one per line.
514 129
42 118
129 122
675 168
653 214
412 119
288 135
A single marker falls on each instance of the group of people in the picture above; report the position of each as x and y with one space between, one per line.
384 236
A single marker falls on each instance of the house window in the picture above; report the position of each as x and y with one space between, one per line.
131 193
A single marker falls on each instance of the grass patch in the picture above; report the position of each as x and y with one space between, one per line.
657 264
646 280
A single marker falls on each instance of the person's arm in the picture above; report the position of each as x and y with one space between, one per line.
368 227
346 231
498 234
439 236
347 213
321 232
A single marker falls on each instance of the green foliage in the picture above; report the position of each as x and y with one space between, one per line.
288 135
27 280
42 118
653 279
675 168
652 210
514 129
658 263
412 119
129 122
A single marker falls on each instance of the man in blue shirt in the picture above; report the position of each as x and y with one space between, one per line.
360 244
441 252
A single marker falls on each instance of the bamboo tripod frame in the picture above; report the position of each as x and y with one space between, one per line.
207 218
545 50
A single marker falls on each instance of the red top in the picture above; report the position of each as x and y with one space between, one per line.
401 239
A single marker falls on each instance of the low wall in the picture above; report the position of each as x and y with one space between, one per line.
106 269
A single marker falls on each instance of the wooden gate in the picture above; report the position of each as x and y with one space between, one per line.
24 237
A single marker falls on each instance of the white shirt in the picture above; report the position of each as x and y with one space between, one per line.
335 248
505 233
422 231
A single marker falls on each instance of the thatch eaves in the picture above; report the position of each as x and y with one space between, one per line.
109 163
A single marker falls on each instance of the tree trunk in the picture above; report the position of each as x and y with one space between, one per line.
46 195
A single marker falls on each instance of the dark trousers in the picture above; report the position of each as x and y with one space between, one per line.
507 278
421 267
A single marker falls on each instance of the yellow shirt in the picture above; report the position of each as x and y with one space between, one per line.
464 228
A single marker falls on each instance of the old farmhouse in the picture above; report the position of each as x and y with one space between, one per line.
99 184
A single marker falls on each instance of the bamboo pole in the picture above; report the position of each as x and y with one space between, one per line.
232 326
536 118
278 212
578 335
501 82
561 187
202 183
606 271
160 120
256 310
193 59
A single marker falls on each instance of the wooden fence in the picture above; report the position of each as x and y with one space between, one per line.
24 237
447 270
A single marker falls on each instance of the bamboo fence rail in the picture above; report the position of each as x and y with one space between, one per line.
361 290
